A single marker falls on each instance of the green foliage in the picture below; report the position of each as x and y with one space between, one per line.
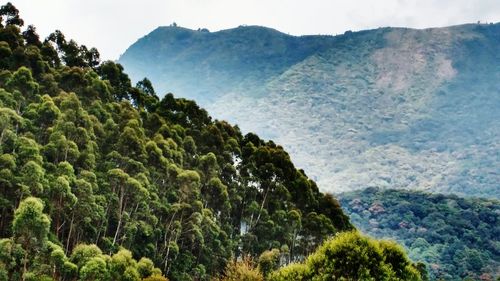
455 237
269 261
29 255
351 256
243 270
11 15
155 278
294 271
120 174
94 269
30 225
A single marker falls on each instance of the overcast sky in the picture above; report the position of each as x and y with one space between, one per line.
112 26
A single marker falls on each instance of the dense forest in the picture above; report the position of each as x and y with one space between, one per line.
457 237
102 180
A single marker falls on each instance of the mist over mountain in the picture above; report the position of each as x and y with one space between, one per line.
390 107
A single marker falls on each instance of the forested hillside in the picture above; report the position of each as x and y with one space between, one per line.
102 180
456 237
389 107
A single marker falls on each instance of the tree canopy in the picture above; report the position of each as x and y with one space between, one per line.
352 256
103 180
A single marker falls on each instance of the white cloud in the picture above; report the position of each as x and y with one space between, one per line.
112 26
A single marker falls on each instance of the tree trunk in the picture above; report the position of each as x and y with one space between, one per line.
69 234
104 220
165 262
121 208
261 206
25 261
117 230
1 136
58 216
66 153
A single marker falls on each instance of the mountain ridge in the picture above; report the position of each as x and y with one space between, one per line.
379 97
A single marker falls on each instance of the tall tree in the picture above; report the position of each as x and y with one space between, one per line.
30 228
10 14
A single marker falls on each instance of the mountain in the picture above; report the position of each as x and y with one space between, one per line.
390 107
191 62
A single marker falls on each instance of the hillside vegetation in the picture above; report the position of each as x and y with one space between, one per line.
102 180
456 237
390 107
351 256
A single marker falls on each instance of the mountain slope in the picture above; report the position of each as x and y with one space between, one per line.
391 107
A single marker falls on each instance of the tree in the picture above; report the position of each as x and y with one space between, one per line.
145 268
23 81
5 55
293 271
12 256
31 37
63 200
32 178
94 270
146 86
155 278
117 78
123 267
241 271
91 57
83 253
400 264
30 227
8 119
352 256
11 15
269 261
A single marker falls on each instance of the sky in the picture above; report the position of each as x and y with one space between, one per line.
113 25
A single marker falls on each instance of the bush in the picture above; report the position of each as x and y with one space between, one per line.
155 278
269 261
294 271
352 256
241 271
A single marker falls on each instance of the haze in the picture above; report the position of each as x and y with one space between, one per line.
112 26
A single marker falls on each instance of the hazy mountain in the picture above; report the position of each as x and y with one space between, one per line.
193 63
391 107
